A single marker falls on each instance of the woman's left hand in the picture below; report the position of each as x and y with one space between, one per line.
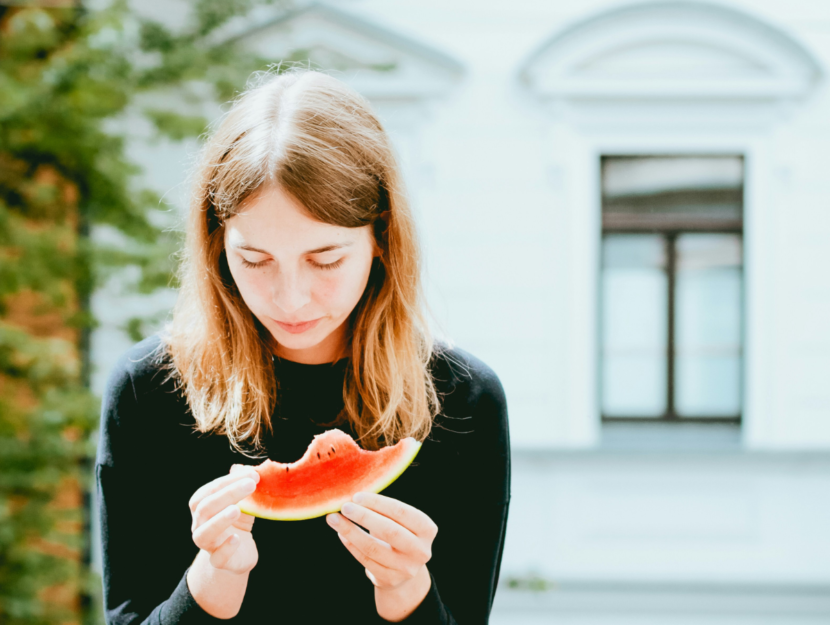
400 543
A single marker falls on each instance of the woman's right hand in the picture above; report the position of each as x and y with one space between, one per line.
219 527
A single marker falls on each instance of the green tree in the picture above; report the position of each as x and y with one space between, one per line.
68 74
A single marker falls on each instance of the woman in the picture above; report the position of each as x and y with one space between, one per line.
299 311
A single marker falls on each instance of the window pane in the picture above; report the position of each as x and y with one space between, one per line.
634 300
708 325
672 192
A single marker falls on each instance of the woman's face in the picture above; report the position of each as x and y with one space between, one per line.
300 277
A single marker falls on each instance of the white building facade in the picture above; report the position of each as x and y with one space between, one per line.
655 480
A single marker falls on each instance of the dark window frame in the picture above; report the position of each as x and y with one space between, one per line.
669 230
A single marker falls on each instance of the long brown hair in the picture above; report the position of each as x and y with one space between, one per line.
319 141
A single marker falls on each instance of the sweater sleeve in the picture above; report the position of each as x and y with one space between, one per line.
144 566
467 552
472 582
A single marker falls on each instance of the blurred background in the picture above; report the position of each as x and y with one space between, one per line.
625 210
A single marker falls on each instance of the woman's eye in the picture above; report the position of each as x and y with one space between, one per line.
247 263
251 265
333 265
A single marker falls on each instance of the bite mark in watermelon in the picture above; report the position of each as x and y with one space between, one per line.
333 468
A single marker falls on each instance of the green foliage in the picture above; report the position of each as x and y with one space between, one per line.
39 448
68 75
532 582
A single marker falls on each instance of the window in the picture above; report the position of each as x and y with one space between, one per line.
671 288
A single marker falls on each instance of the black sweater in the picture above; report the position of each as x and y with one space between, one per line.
150 461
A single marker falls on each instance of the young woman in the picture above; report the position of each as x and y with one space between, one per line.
299 311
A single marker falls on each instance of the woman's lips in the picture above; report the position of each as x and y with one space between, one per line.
297 328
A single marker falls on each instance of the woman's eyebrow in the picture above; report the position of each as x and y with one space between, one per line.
319 250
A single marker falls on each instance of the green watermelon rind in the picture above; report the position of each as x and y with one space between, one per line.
384 481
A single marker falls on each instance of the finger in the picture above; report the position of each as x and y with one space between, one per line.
244 521
389 531
408 516
213 504
220 557
242 467
210 534
220 483
372 548
378 574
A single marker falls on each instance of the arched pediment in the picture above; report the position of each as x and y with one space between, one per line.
669 50
379 63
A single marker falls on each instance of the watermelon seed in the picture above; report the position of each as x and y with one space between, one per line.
333 449
318 455
286 469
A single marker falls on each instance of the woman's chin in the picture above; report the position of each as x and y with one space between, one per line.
294 342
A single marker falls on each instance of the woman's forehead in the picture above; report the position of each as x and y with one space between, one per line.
269 231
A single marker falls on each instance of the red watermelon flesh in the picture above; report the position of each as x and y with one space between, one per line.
332 469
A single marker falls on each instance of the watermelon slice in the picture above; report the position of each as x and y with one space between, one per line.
332 469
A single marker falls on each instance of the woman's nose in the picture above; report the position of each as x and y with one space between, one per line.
290 292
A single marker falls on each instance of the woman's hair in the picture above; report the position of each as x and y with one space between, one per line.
319 141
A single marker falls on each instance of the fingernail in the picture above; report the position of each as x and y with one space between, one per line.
333 519
349 509
249 486
232 512
359 497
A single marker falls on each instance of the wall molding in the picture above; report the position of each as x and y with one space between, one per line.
669 51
